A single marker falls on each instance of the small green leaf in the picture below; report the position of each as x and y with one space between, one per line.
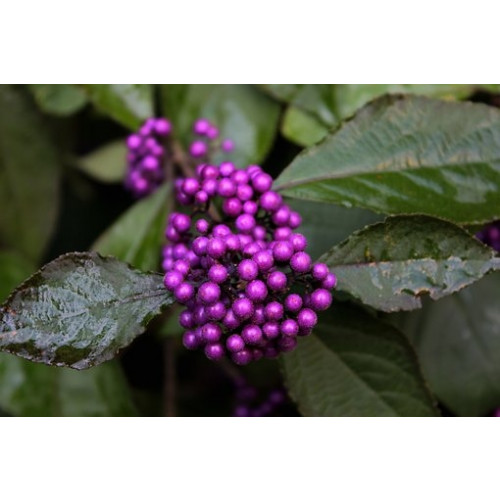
240 112
407 155
458 344
136 237
33 390
106 164
29 176
80 310
302 128
356 365
128 104
390 265
325 225
60 99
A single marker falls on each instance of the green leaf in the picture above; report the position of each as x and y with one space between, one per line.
458 344
390 265
137 236
407 155
325 225
29 176
80 310
240 112
301 127
106 164
356 365
33 390
128 104
60 99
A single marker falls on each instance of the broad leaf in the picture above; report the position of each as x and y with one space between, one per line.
302 127
136 237
356 365
325 225
390 265
29 176
60 100
128 104
80 310
33 390
241 113
106 164
458 343
407 155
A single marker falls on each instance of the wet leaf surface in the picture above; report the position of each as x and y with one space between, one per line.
356 365
80 310
407 155
391 264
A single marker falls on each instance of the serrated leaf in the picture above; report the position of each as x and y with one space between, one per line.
62 99
356 365
458 344
106 164
128 104
390 265
136 237
325 225
240 112
407 155
80 310
29 176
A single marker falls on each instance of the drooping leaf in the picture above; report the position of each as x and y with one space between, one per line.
407 155
128 104
29 176
106 164
80 310
390 265
458 344
356 365
325 225
60 99
136 237
241 113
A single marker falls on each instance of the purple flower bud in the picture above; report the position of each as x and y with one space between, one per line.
133 141
282 233
210 186
295 220
221 231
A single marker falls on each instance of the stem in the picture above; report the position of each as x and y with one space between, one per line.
169 382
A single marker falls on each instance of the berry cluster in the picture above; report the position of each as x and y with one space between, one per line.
248 405
491 235
248 285
146 152
207 140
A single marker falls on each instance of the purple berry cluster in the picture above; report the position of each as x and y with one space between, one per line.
248 285
207 140
145 158
491 235
248 405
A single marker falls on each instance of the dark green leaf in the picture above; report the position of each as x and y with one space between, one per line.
60 100
356 365
241 113
106 164
80 310
128 104
390 265
407 155
458 344
325 225
33 390
29 176
136 237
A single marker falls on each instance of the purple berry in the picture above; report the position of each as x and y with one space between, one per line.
226 169
172 280
201 126
307 318
227 145
243 308
321 299
216 312
256 291
262 182
274 311
264 260
209 293
300 262
230 320
277 281
235 343
215 352
283 251
202 226
293 302
227 188
232 207
200 246
247 270
270 201
251 334
190 186
329 282
184 292
289 327
319 271
271 330
242 357
217 273
198 149
190 340
216 248
245 223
